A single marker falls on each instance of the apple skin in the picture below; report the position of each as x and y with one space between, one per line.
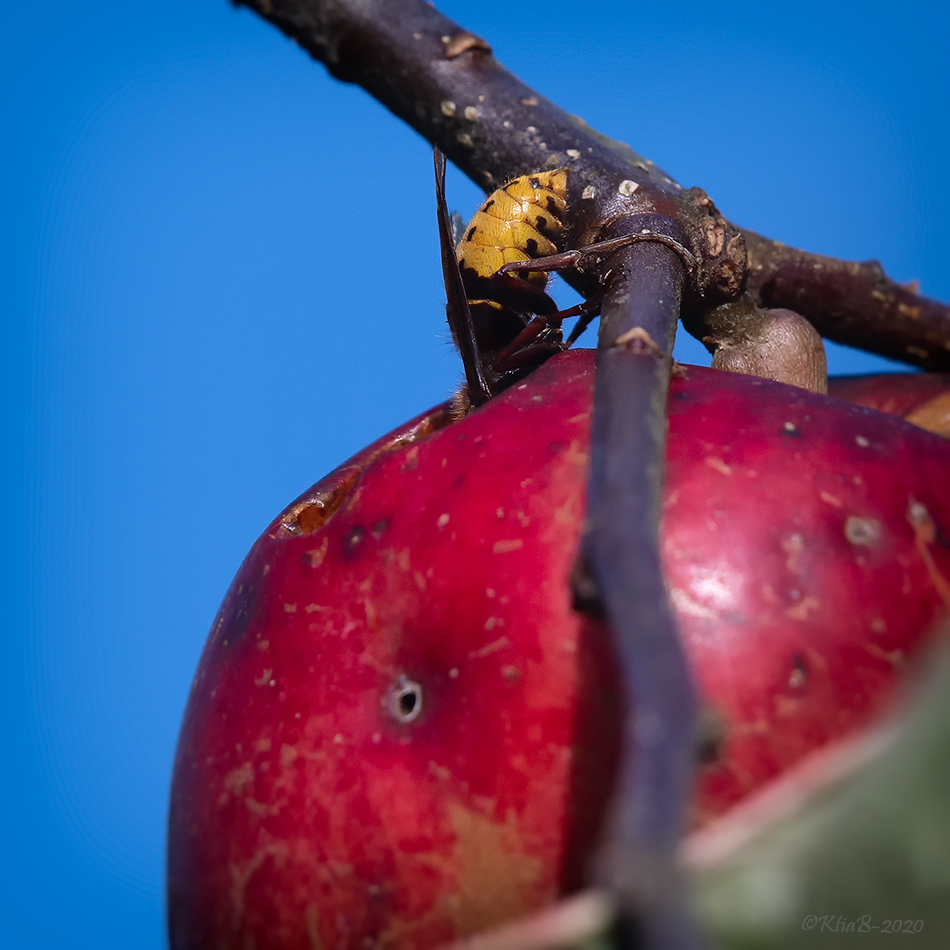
898 394
923 399
401 733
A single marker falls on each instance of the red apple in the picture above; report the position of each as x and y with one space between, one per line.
400 732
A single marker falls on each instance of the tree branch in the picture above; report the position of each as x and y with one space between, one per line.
854 304
444 82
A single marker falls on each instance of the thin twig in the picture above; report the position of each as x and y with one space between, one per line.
620 571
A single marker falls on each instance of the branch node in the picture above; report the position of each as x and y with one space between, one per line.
586 592
463 42
638 341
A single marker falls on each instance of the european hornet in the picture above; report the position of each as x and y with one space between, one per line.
488 312
502 321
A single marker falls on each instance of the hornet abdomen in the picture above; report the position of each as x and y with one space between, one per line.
518 222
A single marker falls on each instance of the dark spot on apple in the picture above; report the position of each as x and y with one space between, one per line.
710 736
353 540
791 430
405 700
238 608
798 678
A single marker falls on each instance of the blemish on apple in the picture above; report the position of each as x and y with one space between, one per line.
353 541
405 700
507 546
862 532
316 555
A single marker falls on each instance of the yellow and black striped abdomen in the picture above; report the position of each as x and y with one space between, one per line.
519 222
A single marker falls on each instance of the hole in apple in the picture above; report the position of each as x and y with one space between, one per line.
317 509
314 510
405 700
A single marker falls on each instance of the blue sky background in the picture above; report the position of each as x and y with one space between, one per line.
219 277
